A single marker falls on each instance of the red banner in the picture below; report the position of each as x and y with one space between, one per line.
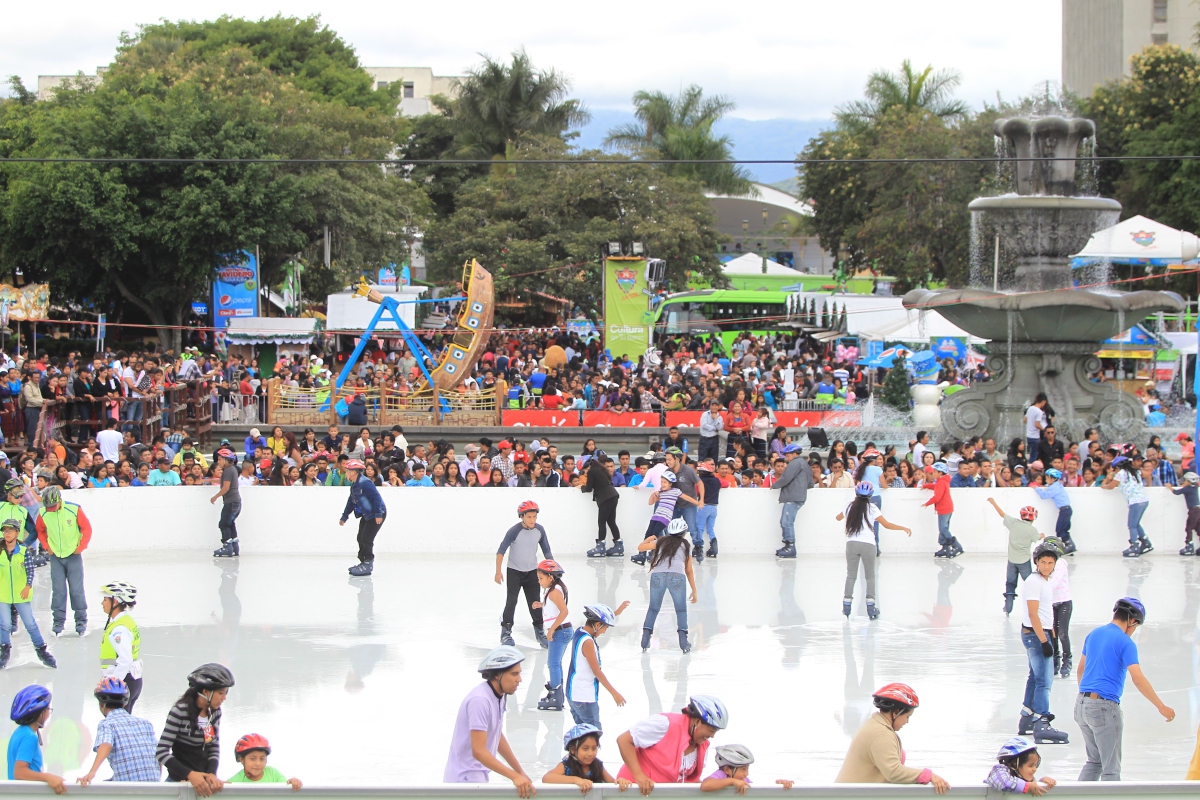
684 419
529 418
611 419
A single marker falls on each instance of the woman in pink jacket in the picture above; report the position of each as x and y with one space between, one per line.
670 748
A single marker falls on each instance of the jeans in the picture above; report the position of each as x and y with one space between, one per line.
1031 450
1041 668
31 423
787 521
83 412
25 611
518 581
558 646
66 576
585 713
1062 627
229 514
689 516
660 584
1016 571
710 447
1101 723
944 536
1134 523
368 529
606 517
1062 526
706 520
855 552
1192 525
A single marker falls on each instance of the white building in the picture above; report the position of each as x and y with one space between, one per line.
1100 36
419 84
47 84
768 222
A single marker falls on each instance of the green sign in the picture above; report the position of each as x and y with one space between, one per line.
626 307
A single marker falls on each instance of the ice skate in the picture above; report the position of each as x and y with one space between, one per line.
81 630
362 569
226 550
1133 551
5 652
1065 672
846 607
1070 548
43 654
1008 603
646 638
539 633
1188 550
684 645
698 553
1145 546
639 559
598 551
712 548
789 551
1044 734
506 635
944 552
1025 727
553 701
237 547
872 610
956 549
617 550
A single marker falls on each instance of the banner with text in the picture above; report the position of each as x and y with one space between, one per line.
626 307
235 289
611 419
532 418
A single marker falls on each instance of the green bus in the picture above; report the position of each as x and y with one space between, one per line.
727 312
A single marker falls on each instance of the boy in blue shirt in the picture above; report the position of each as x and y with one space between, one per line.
30 710
419 478
1054 490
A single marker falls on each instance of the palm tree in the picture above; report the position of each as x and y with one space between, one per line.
681 129
499 104
926 91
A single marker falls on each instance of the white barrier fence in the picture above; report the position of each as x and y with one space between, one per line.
304 520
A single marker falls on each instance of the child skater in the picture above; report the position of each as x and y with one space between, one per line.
671 563
558 630
1061 583
584 677
861 543
1054 490
1015 774
1021 536
943 505
582 765
733 770
663 499
1191 526
521 542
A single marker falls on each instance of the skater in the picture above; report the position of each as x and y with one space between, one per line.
231 504
1016 772
31 712
597 481
125 741
1063 606
524 538
1037 628
670 748
1191 526
871 472
13 507
1054 490
252 751
862 519
943 506
190 745
664 500
366 504
581 765
733 770
1021 536
16 594
121 648
64 532
688 482
584 678
1123 473
706 517
479 728
669 566
555 616
793 488
875 754
1108 653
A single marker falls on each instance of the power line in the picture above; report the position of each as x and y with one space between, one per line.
405 162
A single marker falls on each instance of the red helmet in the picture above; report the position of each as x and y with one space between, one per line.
528 505
354 463
550 567
252 741
896 693
1028 513
870 452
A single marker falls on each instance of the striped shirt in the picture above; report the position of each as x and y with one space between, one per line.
184 747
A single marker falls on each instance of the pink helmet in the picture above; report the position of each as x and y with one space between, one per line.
354 463
1028 513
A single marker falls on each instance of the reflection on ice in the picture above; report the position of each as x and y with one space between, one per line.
393 655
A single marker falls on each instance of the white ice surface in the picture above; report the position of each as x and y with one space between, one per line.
357 681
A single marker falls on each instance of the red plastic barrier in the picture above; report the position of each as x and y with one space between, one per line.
611 419
684 419
531 418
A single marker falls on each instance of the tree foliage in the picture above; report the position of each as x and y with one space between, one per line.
895 391
911 91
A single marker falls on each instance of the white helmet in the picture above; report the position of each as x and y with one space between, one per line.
734 755
122 592
501 658
669 476
677 527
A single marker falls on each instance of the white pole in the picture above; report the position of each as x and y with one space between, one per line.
996 267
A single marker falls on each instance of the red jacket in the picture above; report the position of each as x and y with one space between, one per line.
941 501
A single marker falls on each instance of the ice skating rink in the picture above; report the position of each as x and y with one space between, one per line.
357 681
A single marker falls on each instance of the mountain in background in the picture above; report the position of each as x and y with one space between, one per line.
752 139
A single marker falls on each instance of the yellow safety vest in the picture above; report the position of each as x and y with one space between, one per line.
62 529
13 577
108 653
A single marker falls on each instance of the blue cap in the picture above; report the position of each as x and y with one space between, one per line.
942 467
792 448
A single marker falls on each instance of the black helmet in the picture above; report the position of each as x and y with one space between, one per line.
1046 550
210 677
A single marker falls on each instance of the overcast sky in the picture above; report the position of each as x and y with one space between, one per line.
793 59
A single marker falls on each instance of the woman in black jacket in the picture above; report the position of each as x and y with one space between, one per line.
597 481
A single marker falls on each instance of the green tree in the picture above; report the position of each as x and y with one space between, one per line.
540 227
927 91
895 386
681 129
500 105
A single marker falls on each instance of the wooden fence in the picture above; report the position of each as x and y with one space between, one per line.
288 405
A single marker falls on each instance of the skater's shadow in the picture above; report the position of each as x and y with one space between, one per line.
674 669
364 656
791 631
858 703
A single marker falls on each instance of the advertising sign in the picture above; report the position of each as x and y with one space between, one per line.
626 307
31 301
954 347
611 419
533 418
235 289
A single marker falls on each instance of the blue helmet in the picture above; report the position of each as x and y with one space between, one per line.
1133 607
578 732
792 448
598 612
864 489
709 709
942 467
112 692
1015 747
30 701
1054 473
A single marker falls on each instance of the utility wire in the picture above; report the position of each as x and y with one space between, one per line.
404 162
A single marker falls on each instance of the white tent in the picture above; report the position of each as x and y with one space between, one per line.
875 317
1139 240
751 264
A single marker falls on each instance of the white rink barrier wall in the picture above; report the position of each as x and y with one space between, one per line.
304 520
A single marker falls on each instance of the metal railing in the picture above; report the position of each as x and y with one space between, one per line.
73 420
288 405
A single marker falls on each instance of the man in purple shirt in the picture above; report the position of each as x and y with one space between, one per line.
479 729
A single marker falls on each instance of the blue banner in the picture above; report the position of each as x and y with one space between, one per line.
954 347
235 290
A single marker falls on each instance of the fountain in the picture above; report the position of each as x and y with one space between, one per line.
1044 336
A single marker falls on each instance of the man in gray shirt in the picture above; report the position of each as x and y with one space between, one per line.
231 506
521 542
793 488
688 482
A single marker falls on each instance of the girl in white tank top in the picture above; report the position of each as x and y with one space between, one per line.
558 629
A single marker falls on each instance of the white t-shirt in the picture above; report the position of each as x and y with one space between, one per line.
865 534
650 731
109 442
1035 587
918 453
1034 415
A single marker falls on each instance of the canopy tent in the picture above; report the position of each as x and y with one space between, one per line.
1139 240
876 317
271 330
752 264
1137 342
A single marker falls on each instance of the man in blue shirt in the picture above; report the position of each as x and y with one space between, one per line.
1108 652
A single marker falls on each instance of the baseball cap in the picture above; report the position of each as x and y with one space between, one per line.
505 444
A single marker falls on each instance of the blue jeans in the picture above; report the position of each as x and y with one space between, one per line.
66 576
787 521
229 515
1136 531
1102 725
558 646
944 536
1031 451
1041 670
660 584
132 410
588 713
1015 571
689 516
706 521
25 611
